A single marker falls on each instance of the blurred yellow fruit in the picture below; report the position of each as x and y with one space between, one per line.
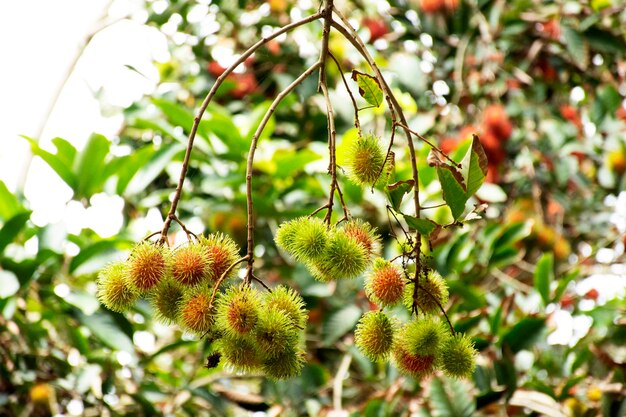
594 393
40 393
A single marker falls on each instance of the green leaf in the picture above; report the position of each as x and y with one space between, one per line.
9 204
397 191
104 328
544 275
423 226
369 88
523 334
175 113
130 165
577 47
66 152
55 162
340 323
90 166
474 167
97 249
289 162
153 168
453 188
451 400
12 228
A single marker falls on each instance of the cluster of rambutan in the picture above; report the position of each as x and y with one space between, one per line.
253 331
423 344
329 253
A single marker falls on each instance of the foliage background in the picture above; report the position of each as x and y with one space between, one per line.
538 281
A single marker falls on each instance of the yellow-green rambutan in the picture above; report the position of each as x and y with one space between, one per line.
424 336
365 161
384 284
240 352
288 301
458 356
222 251
374 335
344 257
237 310
286 234
166 299
191 264
274 332
364 234
196 314
284 365
147 265
310 239
431 293
114 291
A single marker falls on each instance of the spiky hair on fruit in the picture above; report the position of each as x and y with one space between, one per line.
240 352
309 241
384 284
237 310
458 356
374 335
274 332
365 161
415 365
286 233
191 264
147 265
196 313
166 299
423 336
286 364
288 301
344 257
364 234
222 251
431 293
114 291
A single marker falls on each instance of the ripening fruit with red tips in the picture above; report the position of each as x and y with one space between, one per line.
430 296
222 252
113 289
196 311
364 234
191 264
458 356
374 335
237 310
384 285
147 265
415 365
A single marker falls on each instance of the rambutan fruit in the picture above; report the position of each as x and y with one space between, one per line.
196 313
191 264
237 310
240 352
147 265
366 160
114 292
222 251
274 332
417 366
344 257
166 299
458 356
310 239
364 234
431 293
384 284
288 301
286 233
424 336
374 335
284 365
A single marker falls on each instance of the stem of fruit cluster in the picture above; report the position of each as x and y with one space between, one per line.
223 277
205 104
357 123
443 311
250 160
327 14
429 143
332 163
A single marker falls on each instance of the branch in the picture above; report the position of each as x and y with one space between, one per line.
332 163
327 13
429 143
205 104
357 123
443 311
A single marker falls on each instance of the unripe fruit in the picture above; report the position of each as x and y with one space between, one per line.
430 295
113 288
286 364
310 239
344 257
384 285
374 335
289 302
364 234
147 265
196 312
191 264
237 310
222 252
458 356
240 352
424 336
166 299
366 160
274 333
286 233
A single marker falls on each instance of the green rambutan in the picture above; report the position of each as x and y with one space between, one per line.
196 312
344 257
222 251
309 240
458 356
366 160
431 293
191 264
114 292
274 332
237 310
384 284
286 234
374 335
364 234
288 301
166 299
147 265
424 336
284 365
240 352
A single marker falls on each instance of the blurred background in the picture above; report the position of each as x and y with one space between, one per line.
98 98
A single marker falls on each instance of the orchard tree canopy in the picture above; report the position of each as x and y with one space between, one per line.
335 208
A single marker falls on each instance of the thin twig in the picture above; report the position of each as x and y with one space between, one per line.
257 279
443 311
205 104
151 235
423 139
187 231
357 123
327 14
332 164
223 277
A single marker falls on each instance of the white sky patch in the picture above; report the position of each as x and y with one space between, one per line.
105 215
568 329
